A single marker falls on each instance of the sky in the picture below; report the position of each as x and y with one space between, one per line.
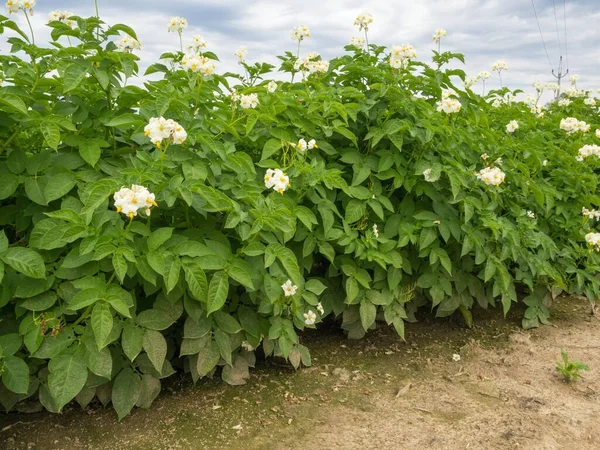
483 30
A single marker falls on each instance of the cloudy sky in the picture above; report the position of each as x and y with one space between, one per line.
484 30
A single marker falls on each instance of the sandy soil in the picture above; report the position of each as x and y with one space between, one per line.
376 393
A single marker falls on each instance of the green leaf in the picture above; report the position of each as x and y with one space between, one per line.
224 344
102 323
354 211
132 341
15 375
368 312
428 235
155 346
67 376
249 321
120 266
155 319
241 271
85 298
217 292
290 264
9 185
73 76
125 392
315 286
51 134
196 279
14 102
26 261
59 185
159 237
226 322
271 147
150 388
208 359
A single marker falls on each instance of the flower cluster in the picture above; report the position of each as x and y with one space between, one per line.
271 87
590 101
575 93
289 289
62 16
302 145
506 99
428 176
499 66
129 200
593 214
448 104
14 6
574 79
483 75
401 55
249 101
531 214
564 102
588 150
439 34
177 24
512 126
491 176
358 42
241 54
375 231
198 63
572 125
198 43
311 63
128 44
300 33
593 240
277 180
363 21
159 129
541 87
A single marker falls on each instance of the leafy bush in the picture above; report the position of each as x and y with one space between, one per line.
383 216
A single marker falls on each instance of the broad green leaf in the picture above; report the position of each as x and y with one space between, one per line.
59 185
125 392
155 346
15 374
25 260
208 359
368 312
67 376
217 291
196 279
102 323
73 76
132 341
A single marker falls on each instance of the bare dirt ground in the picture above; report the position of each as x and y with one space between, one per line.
376 393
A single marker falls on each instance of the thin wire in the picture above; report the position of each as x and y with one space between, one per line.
556 22
541 35
566 42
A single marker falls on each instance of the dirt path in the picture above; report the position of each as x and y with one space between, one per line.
370 394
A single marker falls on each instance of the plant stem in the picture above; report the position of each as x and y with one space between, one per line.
500 76
69 39
180 42
367 40
9 140
96 4
297 56
30 27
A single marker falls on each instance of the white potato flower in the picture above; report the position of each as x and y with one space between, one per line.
198 43
456 357
588 150
249 101
363 21
484 75
499 66
572 125
246 346
62 16
310 318
358 42
375 231
277 180
128 44
531 214
299 33
14 6
198 64
512 126
241 54
311 63
593 240
593 214
177 24
271 87
428 176
160 129
574 79
590 101
449 105
129 201
491 176
564 102
289 289
320 308
439 34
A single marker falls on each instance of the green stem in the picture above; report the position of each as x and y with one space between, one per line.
180 42
69 39
96 4
30 27
297 56
367 40
9 140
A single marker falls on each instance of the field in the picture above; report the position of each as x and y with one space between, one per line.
194 226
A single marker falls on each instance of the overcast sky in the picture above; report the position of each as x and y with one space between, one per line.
484 30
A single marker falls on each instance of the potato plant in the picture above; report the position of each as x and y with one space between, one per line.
370 186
